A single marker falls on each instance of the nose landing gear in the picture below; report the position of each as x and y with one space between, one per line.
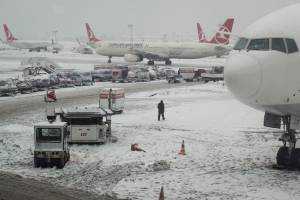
288 156
109 59
150 62
168 62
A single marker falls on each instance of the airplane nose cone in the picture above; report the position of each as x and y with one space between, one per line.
242 75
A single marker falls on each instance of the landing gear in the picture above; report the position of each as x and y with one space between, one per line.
288 156
109 59
168 62
150 62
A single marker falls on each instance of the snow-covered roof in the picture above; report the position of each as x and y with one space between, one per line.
48 124
85 112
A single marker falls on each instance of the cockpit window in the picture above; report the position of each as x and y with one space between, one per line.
278 45
241 44
291 45
259 44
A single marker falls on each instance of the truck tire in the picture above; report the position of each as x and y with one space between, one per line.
283 158
36 162
296 158
61 163
68 157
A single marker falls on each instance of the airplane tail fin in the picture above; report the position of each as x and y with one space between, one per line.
221 37
201 34
8 33
90 33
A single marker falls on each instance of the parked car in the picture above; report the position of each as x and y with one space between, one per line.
7 87
177 78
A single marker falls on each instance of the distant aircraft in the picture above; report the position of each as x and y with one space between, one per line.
264 73
154 51
30 45
221 37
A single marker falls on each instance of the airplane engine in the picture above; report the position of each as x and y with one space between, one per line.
132 58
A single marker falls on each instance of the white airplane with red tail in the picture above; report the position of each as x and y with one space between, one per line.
157 51
30 45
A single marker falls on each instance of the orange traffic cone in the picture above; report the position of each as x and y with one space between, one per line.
161 194
182 150
135 147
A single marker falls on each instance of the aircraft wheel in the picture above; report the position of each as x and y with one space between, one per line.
283 158
150 62
168 62
36 162
296 158
61 163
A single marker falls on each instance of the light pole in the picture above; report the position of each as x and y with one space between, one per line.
130 26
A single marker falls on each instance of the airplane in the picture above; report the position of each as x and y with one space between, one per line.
157 51
30 45
221 37
263 72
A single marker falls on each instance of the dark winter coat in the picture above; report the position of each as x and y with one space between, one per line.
161 107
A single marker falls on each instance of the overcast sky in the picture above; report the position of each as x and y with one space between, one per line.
34 19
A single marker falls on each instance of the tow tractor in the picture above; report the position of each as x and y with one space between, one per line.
51 146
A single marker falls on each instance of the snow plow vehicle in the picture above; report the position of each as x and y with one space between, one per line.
50 144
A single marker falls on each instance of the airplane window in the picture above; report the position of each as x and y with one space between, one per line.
241 44
291 45
278 45
259 44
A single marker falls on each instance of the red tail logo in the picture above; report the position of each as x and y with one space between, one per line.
220 37
8 33
90 33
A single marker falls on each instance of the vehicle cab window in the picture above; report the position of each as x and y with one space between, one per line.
278 45
291 45
241 44
259 44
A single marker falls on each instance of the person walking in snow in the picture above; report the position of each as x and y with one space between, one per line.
161 110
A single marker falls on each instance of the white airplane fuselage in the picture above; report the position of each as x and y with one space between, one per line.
33 45
268 79
180 50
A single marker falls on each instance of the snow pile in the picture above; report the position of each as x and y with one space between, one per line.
158 166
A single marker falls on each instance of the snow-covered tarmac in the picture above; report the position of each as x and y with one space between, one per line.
229 152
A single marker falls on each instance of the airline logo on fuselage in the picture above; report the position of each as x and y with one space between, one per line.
125 45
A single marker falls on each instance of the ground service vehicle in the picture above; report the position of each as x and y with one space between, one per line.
177 78
7 87
120 74
142 75
86 125
187 73
50 144
215 74
113 99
